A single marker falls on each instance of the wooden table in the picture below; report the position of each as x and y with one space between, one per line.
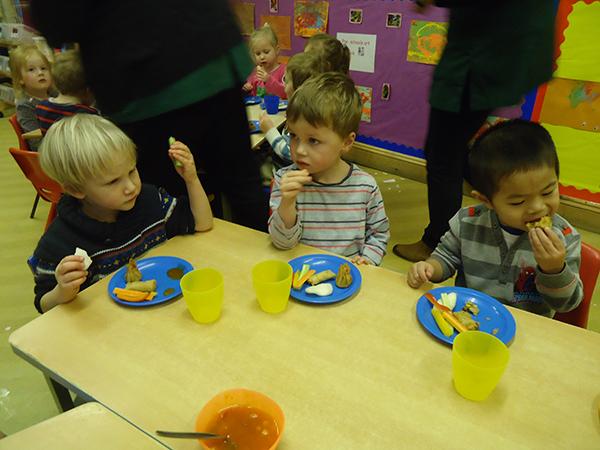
253 112
360 374
90 427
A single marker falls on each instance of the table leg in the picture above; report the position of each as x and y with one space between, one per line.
61 395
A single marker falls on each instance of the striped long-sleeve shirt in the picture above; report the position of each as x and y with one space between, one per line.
347 218
475 248
48 112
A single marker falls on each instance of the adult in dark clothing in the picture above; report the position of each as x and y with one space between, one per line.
496 53
161 69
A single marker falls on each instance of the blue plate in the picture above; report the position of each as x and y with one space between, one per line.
283 104
499 316
321 263
154 268
252 100
256 127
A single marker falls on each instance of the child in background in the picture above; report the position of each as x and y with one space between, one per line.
32 82
514 170
74 94
106 211
332 50
267 78
321 200
300 67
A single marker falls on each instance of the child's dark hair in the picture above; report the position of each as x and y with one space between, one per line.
302 66
330 48
510 147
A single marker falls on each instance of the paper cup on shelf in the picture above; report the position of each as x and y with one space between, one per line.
478 362
203 293
271 104
272 282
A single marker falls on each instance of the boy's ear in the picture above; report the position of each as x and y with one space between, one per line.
482 198
348 143
73 192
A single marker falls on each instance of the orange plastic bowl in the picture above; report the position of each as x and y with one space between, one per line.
241 397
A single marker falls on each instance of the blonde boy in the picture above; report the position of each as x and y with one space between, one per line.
321 200
74 96
514 169
106 211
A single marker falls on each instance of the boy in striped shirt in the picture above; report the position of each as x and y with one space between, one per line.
322 200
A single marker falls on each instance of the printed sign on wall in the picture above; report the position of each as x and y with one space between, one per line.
362 50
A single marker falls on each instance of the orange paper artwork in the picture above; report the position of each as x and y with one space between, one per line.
310 18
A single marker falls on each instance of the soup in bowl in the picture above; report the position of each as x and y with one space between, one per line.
249 419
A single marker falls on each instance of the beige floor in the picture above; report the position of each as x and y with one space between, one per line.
24 397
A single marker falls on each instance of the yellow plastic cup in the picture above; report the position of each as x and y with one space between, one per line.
203 293
478 362
272 282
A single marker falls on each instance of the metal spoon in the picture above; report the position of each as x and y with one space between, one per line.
189 435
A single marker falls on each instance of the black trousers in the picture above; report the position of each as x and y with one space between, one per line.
446 152
216 131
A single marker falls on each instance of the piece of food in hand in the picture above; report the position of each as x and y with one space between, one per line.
133 296
143 286
320 277
322 290
172 140
465 318
471 307
343 278
544 222
446 329
86 259
132 273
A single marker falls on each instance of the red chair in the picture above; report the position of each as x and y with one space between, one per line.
23 145
588 272
45 186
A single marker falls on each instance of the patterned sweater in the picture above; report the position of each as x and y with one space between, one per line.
347 218
155 218
48 112
475 247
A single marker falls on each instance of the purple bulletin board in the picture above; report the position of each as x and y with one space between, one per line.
400 123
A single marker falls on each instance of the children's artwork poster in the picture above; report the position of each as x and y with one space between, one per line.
244 13
362 50
393 20
282 25
366 93
579 162
356 16
572 103
580 50
310 18
274 6
426 41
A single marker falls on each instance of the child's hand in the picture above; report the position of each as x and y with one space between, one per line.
246 88
292 184
360 260
70 275
265 123
419 273
180 152
262 74
548 250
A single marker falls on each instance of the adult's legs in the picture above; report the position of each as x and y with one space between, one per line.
216 131
446 151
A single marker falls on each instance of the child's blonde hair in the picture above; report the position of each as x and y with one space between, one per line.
264 32
18 59
335 53
68 73
302 66
329 99
81 147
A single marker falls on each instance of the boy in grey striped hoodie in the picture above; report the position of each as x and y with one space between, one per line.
497 247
